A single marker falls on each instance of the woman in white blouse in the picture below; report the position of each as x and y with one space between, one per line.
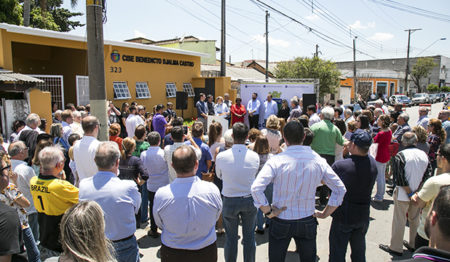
220 108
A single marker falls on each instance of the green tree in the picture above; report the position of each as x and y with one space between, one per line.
433 88
303 67
422 69
10 12
445 89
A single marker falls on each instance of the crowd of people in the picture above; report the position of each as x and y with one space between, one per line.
66 196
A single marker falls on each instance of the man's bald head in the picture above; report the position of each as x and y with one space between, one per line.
89 124
184 160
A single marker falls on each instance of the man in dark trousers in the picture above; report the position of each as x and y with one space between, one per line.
351 219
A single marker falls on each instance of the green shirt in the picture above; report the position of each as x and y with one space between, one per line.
326 136
141 146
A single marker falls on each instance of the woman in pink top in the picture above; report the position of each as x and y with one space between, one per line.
383 139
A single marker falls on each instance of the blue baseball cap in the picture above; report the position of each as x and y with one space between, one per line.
361 138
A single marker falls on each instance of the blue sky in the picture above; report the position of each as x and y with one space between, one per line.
380 29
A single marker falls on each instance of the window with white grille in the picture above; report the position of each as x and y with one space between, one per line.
55 85
121 90
171 90
187 87
142 90
82 90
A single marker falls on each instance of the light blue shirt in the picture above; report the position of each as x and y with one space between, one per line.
119 199
158 171
423 121
253 106
187 211
221 108
446 126
271 108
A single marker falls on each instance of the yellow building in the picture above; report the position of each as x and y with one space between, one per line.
133 72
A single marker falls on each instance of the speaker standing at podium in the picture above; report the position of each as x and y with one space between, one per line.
253 111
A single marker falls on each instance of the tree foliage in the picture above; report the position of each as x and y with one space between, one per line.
44 14
422 69
10 12
303 67
433 88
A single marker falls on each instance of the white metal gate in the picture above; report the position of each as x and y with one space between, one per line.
55 85
82 90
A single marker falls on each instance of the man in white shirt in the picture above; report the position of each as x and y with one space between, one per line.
340 104
187 211
133 120
410 169
295 175
18 152
253 111
158 174
120 201
178 138
84 149
237 167
313 116
270 108
33 121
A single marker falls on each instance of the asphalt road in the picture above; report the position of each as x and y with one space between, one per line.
379 230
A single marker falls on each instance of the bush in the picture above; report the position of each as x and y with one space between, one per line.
433 88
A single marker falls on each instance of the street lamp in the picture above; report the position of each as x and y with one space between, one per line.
443 38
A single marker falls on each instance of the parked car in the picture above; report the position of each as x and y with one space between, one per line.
421 98
434 98
400 99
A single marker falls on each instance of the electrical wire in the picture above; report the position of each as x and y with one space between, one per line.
413 10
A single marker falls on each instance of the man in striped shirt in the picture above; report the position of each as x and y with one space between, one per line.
295 175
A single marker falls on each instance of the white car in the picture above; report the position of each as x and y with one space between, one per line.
421 98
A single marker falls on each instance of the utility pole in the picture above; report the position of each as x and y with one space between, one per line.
222 43
96 64
317 51
407 57
267 46
354 66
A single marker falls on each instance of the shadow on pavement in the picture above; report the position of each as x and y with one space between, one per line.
382 205
147 242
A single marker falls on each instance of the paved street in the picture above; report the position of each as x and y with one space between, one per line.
379 230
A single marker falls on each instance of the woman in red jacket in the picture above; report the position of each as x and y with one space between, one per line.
383 139
237 112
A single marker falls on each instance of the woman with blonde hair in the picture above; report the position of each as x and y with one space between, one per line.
83 235
272 133
435 138
36 165
422 136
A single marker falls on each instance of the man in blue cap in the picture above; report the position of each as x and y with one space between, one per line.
351 219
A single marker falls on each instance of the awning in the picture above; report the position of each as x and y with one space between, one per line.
9 76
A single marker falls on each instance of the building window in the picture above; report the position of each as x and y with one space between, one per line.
171 90
187 87
142 90
121 90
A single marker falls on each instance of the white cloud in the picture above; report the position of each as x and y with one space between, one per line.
272 41
312 17
138 33
381 37
358 25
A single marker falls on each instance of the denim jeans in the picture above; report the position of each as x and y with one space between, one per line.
235 209
33 253
127 250
260 219
304 232
151 197
144 204
34 225
341 235
381 180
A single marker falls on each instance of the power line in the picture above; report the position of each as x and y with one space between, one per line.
413 10
317 33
